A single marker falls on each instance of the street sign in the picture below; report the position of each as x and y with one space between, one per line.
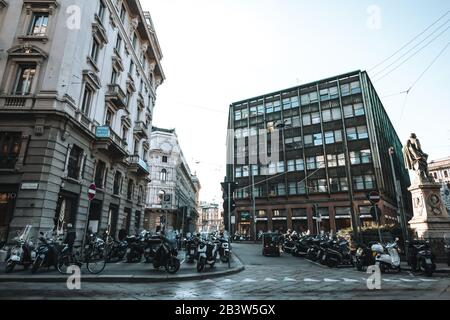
92 191
374 197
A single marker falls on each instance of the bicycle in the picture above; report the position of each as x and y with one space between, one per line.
94 255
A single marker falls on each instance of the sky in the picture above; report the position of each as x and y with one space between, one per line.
217 52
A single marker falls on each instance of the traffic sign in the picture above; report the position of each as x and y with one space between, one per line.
92 191
374 197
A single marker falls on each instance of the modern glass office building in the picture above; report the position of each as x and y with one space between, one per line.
334 137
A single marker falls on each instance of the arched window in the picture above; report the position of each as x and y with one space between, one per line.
163 175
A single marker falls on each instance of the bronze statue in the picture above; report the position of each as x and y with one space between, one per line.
416 159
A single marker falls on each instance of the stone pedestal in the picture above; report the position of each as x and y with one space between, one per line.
431 219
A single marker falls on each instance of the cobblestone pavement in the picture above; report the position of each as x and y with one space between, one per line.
264 279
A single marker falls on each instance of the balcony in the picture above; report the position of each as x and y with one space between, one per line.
110 143
15 102
138 166
116 97
141 129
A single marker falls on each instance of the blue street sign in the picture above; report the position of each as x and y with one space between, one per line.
103 132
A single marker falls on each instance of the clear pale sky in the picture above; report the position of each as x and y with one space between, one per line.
220 51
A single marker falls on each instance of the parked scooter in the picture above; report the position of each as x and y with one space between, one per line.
224 247
22 253
421 259
166 255
151 246
135 248
337 253
116 249
207 254
302 246
191 248
388 257
46 253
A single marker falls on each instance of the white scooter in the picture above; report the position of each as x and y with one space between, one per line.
388 257
207 254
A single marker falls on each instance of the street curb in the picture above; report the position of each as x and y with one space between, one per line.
126 278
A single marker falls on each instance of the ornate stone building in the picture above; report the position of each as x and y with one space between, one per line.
440 170
78 83
170 178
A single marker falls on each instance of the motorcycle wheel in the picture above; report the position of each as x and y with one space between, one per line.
330 263
427 269
10 266
62 264
359 266
200 265
172 265
36 264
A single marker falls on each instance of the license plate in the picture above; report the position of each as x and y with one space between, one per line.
428 261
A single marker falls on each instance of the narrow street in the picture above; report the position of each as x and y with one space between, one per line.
283 278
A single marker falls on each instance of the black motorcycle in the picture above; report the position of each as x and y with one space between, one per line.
316 249
302 246
421 258
289 245
337 253
46 254
191 249
151 246
166 256
135 248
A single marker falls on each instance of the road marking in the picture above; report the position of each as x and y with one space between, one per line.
248 280
289 279
391 280
428 280
228 280
409 280
311 280
330 280
270 280
208 281
350 280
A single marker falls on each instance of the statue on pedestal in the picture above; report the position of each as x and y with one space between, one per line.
416 159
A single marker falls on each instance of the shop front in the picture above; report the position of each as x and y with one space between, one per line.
365 217
322 224
279 220
299 220
262 221
343 218
8 195
244 225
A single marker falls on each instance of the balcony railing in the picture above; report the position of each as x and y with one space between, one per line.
141 129
139 165
116 96
15 102
108 140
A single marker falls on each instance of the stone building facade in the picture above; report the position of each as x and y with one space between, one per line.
78 83
170 177
211 217
440 170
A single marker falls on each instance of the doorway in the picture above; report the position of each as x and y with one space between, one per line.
95 213
113 217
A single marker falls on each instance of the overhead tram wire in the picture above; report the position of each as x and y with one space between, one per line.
415 46
407 44
411 56
421 76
